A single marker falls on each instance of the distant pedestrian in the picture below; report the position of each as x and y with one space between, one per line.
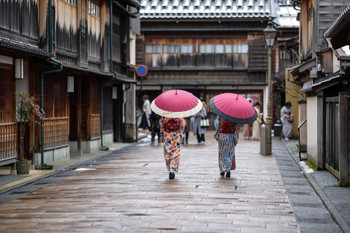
257 122
247 128
146 112
155 127
196 123
227 135
287 117
172 131
247 131
187 130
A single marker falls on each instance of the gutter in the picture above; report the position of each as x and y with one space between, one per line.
131 3
292 81
42 164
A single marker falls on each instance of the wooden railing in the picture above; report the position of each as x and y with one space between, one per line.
8 141
94 125
55 132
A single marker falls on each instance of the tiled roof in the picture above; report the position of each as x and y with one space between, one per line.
286 16
345 13
204 9
17 46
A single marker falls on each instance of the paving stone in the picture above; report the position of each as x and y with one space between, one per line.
131 192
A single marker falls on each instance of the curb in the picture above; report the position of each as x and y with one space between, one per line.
338 218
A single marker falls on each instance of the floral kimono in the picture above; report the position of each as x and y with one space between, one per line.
227 137
172 130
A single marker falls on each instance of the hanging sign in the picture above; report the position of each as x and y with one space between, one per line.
141 70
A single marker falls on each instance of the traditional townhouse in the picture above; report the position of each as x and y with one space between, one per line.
210 47
323 73
63 50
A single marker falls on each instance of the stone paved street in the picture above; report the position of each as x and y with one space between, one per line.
132 193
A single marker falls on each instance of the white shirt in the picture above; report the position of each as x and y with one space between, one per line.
147 107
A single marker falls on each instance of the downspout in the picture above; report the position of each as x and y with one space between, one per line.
50 26
292 81
42 85
42 103
110 68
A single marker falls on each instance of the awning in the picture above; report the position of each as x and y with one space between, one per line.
124 79
22 48
307 65
331 78
113 76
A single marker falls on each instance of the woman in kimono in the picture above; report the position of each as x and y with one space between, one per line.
287 115
172 130
227 137
257 122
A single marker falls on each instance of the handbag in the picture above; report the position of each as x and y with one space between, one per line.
204 122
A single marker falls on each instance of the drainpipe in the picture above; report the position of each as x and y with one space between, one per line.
101 118
42 103
103 147
42 83
50 26
292 81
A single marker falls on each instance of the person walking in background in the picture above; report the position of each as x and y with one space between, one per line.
197 130
155 128
247 128
187 130
247 131
287 115
172 130
257 122
146 112
227 135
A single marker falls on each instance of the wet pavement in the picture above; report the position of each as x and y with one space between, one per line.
129 191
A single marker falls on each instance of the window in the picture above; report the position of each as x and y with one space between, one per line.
152 48
240 56
206 48
170 49
223 48
72 2
240 48
93 8
184 48
284 54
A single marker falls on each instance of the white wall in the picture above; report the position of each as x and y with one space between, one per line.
132 48
22 85
312 126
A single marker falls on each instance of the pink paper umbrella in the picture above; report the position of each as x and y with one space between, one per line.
233 108
176 103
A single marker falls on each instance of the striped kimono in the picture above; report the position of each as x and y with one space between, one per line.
172 142
227 137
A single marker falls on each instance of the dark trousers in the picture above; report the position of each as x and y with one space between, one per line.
200 137
185 139
155 132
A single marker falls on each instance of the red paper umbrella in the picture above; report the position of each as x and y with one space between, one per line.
233 108
176 103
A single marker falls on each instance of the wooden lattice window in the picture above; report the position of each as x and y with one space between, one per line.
55 97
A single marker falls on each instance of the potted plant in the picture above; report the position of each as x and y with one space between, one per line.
27 110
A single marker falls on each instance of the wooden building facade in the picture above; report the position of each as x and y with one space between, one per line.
65 47
323 73
207 47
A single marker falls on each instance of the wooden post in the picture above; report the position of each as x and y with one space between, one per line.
79 114
343 139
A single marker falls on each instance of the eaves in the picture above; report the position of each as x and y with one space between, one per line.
23 48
